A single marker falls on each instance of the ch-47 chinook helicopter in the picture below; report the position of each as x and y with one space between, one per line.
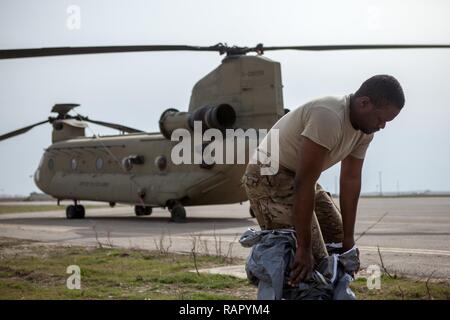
244 91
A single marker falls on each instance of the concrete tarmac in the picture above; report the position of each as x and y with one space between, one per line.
413 234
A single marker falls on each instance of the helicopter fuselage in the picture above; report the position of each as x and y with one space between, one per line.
137 168
97 169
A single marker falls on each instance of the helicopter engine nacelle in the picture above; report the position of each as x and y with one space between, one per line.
219 117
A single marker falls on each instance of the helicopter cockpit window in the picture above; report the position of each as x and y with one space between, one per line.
51 164
99 163
74 164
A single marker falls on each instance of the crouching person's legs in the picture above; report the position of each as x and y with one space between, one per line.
271 199
329 217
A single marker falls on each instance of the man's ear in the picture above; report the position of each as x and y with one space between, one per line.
365 103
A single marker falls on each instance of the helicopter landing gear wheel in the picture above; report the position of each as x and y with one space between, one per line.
75 212
177 213
142 210
252 214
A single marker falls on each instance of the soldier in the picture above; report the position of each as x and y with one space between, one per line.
312 138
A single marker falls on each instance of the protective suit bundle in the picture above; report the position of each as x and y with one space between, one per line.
269 262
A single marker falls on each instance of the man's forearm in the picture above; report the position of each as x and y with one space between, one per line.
303 207
349 195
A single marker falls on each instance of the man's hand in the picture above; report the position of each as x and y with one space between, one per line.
302 267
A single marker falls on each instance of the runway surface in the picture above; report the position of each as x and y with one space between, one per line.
413 234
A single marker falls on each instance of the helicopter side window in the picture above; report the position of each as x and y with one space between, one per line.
161 163
126 163
99 163
51 164
74 164
131 160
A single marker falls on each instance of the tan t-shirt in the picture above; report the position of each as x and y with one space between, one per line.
326 121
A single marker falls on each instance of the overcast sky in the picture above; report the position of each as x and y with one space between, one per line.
413 152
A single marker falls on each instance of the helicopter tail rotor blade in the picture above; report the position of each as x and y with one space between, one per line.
20 131
111 125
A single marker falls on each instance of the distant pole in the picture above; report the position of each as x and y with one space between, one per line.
381 183
398 188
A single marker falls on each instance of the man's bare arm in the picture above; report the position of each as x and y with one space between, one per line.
350 185
309 168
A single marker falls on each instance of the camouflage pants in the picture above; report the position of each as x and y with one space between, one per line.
271 199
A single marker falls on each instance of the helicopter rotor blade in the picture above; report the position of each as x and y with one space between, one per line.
63 51
110 125
358 47
22 130
220 47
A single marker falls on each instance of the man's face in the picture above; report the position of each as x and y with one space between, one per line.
374 118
